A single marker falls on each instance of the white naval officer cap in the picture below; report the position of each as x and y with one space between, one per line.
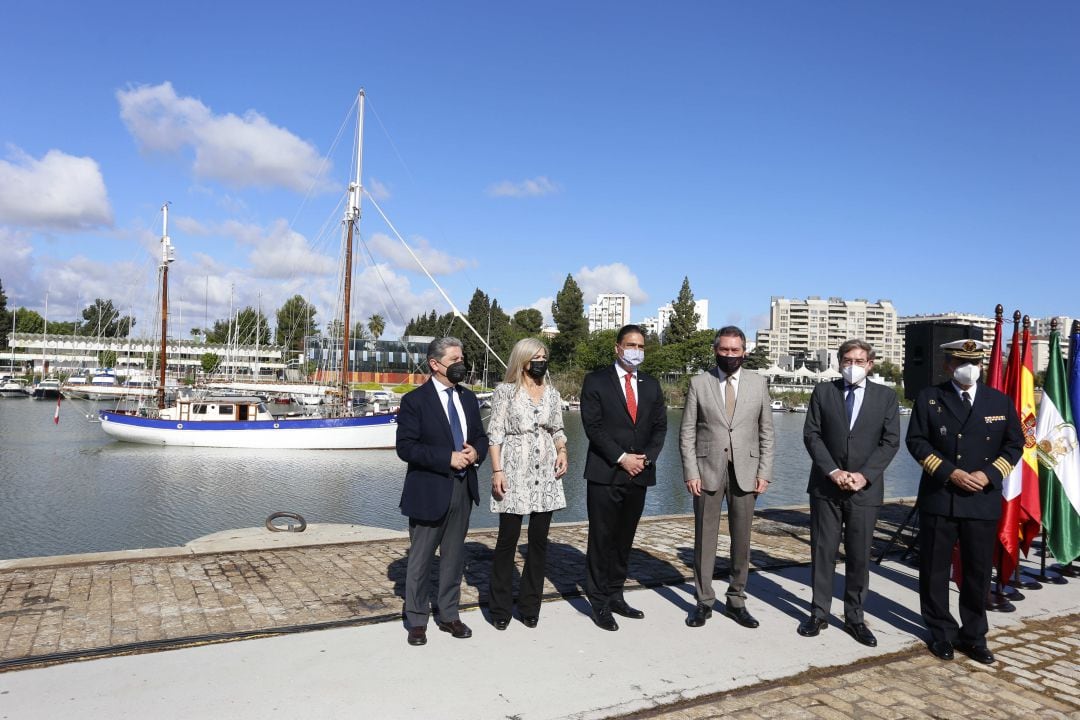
965 349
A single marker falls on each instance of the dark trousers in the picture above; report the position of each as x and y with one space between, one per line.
448 536
937 536
829 521
502 567
614 511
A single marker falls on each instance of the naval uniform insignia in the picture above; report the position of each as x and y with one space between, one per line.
931 402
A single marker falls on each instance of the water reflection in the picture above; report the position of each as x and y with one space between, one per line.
68 488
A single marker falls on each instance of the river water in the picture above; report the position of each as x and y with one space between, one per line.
69 488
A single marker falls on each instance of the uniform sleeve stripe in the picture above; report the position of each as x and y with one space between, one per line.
1003 466
931 463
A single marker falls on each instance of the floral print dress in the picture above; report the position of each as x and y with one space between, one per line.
527 432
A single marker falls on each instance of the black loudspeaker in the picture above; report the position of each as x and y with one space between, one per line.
923 356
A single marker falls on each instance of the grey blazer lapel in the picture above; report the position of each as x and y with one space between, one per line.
716 389
744 400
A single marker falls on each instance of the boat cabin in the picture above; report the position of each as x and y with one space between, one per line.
238 408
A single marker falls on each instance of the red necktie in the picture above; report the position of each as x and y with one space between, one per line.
631 401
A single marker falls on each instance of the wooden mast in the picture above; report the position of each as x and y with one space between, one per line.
167 257
352 220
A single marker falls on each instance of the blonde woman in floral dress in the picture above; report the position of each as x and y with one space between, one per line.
528 460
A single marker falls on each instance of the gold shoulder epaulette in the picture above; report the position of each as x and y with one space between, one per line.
931 463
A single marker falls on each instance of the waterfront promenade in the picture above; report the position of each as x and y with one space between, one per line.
189 600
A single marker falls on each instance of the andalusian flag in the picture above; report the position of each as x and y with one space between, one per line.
1020 517
1059 456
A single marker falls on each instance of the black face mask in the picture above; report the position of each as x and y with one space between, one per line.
456 372
537 368
730 365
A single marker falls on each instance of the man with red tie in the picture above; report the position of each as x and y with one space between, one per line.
625 420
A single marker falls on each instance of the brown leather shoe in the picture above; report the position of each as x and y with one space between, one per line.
456 628
418 635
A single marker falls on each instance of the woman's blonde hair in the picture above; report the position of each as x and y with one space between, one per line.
520 356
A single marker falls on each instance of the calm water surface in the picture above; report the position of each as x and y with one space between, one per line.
69 488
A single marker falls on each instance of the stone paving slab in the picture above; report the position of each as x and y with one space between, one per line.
82 608
1037 675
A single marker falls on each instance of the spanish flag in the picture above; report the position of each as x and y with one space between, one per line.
1021 514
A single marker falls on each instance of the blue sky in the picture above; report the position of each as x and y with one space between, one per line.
925 153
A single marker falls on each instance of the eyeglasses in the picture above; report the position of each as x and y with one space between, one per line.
845 362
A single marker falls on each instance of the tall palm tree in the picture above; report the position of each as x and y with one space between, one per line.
376 324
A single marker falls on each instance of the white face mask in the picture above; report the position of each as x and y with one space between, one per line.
853 374
633 357
966 374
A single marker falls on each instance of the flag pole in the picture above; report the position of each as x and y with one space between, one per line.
1000 597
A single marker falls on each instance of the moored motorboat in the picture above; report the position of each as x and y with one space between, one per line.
10 387
48 389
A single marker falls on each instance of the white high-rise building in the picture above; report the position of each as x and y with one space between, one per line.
610 312
802 327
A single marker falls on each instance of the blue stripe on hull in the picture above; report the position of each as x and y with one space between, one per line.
270 425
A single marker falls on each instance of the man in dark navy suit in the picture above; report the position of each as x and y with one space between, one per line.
967 438
852 432
623 412
441 436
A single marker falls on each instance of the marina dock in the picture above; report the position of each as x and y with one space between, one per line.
158 630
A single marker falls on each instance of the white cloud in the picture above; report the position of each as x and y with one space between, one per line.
239 151
59 192
378 190
278 251
17 272
613 278
189 225
534 187
384 247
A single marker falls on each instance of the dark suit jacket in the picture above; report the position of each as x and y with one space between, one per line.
425 442
611 432
867 448
943 436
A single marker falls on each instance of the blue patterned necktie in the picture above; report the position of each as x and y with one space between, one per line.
849 403
455 421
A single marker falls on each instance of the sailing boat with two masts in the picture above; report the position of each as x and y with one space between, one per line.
241 421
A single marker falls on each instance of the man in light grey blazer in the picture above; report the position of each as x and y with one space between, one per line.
726 441
852 432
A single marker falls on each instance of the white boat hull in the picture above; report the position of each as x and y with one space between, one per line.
360 433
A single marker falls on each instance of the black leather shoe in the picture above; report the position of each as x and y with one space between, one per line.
740 615
621 608
456 628
942 649
811 626
861 633
978 653
604 621
530 621
699 615
418 635
501 623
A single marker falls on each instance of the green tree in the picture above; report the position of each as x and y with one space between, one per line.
478 314
252 327
295 320
29 321
376 324
220 333
684 318
568 311
889 371
501 337
596 351
209 362
757 359
107 358
102 319
196 333
528 322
